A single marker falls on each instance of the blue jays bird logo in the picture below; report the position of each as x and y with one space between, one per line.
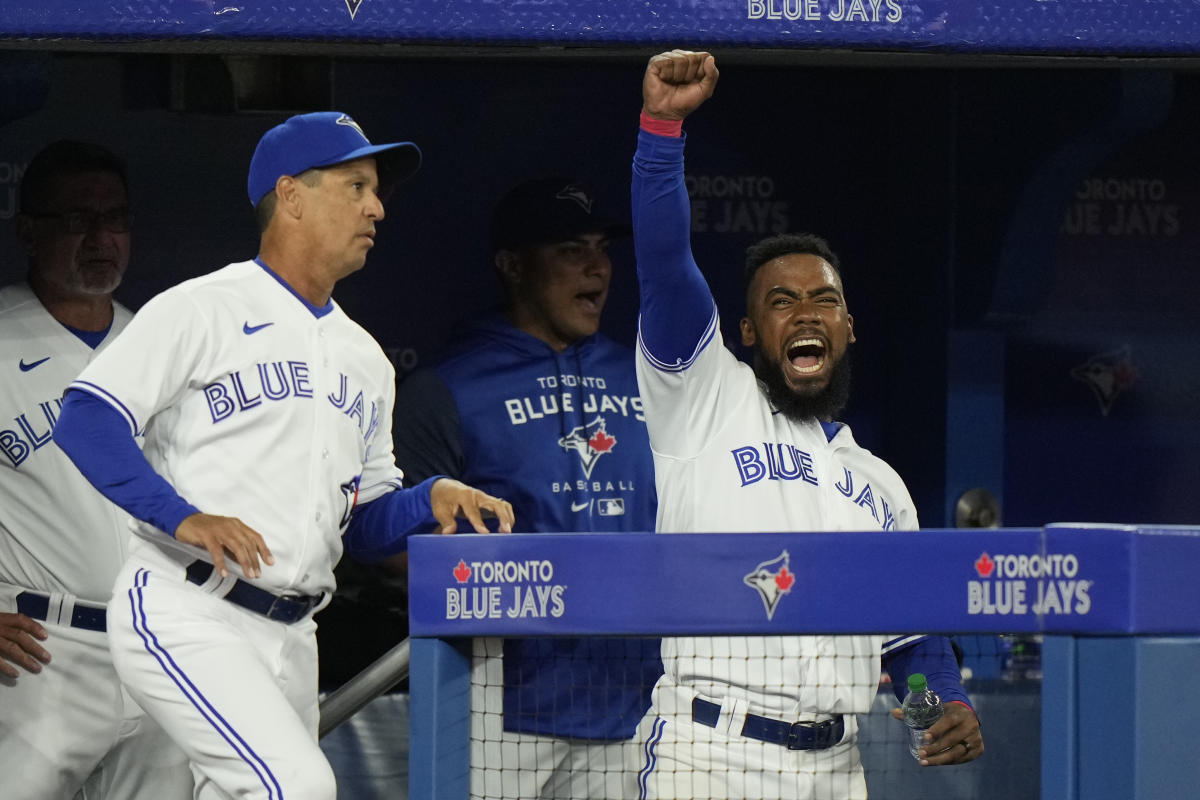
576 194
772 580
590 442
1108 375
350 123
349 498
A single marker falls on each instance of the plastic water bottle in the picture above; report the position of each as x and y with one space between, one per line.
921 709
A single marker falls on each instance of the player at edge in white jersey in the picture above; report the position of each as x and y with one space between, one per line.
66 726
267 420
756 449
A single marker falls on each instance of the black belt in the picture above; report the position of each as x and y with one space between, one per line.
33 604
792 735
282 608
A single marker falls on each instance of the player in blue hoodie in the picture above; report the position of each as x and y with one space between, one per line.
535 404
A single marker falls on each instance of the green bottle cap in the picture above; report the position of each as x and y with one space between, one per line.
917 682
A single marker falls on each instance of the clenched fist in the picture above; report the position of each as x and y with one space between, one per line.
676 83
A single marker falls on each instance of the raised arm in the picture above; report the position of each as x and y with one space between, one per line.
677 309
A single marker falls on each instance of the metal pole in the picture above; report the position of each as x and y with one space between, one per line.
388 670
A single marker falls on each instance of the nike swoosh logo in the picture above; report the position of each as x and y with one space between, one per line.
248 329
26 367
580 506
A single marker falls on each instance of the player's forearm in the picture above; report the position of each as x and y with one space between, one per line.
676 303
381 528
661 209
96 439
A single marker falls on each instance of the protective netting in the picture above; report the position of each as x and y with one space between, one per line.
690 745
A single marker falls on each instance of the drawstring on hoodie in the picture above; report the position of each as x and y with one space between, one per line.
558 366
562 409
579 381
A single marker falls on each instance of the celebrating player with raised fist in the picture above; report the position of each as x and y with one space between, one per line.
267 420
759 716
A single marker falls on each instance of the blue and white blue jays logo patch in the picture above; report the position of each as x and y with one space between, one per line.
349 499
350 123
590 442
576 194
1108 375
772 580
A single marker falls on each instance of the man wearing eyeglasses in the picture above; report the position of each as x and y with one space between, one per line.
67 728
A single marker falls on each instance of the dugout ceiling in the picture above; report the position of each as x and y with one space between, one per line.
1073 27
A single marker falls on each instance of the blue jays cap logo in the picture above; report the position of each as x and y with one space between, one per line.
590 442
1108 375
772 580
576 194
348 121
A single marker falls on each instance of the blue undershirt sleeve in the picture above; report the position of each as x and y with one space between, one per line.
677 308
381 528
933 656
96 438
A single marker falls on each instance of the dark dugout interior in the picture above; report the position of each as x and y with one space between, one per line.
1018 233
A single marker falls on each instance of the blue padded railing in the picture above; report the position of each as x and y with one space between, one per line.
1119 608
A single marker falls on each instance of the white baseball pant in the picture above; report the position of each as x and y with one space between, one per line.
237 691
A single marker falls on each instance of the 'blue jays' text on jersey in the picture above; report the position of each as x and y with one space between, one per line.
562 437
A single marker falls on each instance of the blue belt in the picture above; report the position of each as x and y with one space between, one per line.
281 608
792 735
33 604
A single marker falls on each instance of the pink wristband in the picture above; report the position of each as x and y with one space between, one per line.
661 127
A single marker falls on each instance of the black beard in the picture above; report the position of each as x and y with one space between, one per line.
823 405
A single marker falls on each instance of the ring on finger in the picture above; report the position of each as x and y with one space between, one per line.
966 746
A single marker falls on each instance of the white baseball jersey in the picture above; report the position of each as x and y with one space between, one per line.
725 460
71 723
260 407
57 533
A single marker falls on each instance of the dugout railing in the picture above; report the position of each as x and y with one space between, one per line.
1118 608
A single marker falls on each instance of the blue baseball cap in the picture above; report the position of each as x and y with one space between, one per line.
324 139
548 210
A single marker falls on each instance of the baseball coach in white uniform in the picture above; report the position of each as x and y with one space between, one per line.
267 420
66 725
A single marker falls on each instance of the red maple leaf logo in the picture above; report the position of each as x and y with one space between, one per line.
784 579
601 442
462 571
985 565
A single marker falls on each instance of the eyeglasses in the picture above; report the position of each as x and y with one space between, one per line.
116 220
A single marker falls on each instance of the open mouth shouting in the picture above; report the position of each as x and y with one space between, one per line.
806 355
